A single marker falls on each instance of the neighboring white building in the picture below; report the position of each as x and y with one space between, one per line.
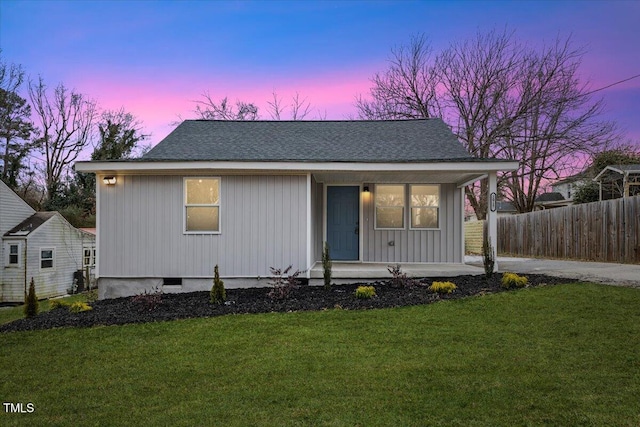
38 245
250 195
568 186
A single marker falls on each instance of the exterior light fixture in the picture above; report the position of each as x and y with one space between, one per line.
109 180
492 202
365 189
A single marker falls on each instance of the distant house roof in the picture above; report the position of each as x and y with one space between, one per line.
549 197
505 207
424 140
581 176
88 230
30 224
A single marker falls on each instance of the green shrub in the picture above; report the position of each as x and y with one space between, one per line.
79 306
365 292
326 266
512 280
218 295
443 287
31 301
59 303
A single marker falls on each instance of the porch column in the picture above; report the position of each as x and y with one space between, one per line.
492 216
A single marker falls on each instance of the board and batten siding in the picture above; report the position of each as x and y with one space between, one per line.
141 224
443 245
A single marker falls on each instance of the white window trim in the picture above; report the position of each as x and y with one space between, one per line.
7 249
184 205
53 258
411 207
404 209
92 256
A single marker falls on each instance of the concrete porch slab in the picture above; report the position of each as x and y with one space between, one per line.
346 272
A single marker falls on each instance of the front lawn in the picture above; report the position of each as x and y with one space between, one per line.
555 355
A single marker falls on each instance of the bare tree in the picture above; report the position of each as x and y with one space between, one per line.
560 123
209 109
502 99
11 76
407 89
300 108
275 108
66 122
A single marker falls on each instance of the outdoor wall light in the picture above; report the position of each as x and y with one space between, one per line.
365 189
109 180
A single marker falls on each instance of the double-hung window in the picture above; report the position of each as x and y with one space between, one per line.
425 206
47 258
13 255
389 206
202 205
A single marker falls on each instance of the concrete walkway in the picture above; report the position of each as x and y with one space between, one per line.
608 273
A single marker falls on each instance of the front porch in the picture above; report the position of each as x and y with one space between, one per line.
350 272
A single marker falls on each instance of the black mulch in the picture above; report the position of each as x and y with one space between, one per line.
256 300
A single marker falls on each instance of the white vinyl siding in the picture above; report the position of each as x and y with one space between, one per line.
202 205
13 210
67 258
425 203
142 229
390 203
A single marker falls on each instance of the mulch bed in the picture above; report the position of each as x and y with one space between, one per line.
163 307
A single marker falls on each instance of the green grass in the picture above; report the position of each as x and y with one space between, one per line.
9 314
565 355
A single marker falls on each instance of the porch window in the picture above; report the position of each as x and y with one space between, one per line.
46 258
390 206
425 206
202 205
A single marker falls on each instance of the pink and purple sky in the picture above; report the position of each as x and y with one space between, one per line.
155 58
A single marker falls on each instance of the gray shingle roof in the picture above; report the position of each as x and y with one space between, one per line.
424 140
30 224
552 196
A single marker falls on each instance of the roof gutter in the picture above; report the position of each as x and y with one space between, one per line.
180 167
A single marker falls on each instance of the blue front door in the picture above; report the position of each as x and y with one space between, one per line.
343 213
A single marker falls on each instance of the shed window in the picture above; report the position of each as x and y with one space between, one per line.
14 254
89 256
390 206
46 258
425 206
202 205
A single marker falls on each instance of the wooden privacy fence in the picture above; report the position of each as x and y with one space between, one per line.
606 231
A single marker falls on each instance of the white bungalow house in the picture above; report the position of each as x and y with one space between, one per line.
38 245
258 194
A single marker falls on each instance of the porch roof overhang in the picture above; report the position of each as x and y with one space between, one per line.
459 172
